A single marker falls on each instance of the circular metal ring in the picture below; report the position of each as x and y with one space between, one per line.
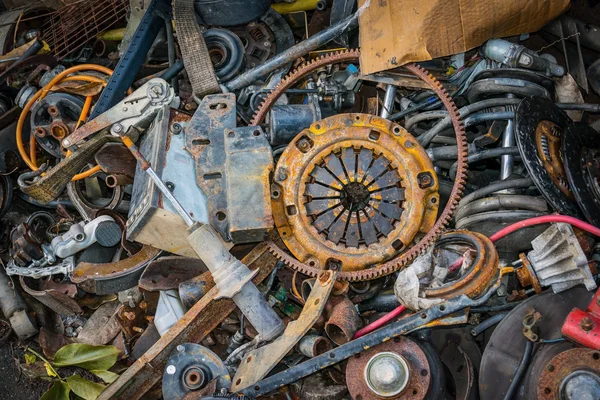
354 190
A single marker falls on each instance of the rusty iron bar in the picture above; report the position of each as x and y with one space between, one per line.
193 327
71 27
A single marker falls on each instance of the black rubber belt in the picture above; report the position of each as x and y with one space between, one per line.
193 49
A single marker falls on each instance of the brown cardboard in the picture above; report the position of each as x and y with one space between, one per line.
396 32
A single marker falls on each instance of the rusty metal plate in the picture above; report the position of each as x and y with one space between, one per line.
258 363
419 377
233 166
166 273
353 189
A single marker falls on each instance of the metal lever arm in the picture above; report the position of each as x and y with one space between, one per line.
136 110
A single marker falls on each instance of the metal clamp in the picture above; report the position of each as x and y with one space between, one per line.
136 111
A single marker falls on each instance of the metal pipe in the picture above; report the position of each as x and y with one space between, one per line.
388 101
487 324
294 52
494 187
477 119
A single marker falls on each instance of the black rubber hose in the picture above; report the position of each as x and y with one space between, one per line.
485 154
487 324
479 118
592 108
521 369
504 202
495 308
495 187
382 303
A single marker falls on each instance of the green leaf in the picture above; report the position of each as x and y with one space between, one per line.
30 359
83 388
106 376
87 356
58 391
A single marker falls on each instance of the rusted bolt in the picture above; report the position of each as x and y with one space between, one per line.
282 175
40 132
303 144
425 180
587 324
176 128
129 315
53 111
194 378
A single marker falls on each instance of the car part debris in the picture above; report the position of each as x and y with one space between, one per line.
436 276
518 56
582 326
152 220
361 184
395 369
402 260
226 51
539 127
556 260
232 167
56 300
101 327
386 333
137 111
102 230
168 311
14 308
256 364
54 118
113 277
190 368
580 157
342 320
313 345
195 326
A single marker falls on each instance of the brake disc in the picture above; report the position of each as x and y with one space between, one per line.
581 156
539 128
354 190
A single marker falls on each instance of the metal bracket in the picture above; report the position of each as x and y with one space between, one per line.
258 363
583 327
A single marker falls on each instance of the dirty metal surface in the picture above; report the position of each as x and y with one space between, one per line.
583 327
114 158
205 140
396 263
59 302
480 274
49 186
166 273
232 168
353 189
259 362
419 377
563 365
102 326
193 327
104 278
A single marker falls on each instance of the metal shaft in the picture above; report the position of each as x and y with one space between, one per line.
508 140
388 101
291 54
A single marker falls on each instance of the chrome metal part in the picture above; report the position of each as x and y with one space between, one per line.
558 260
102 230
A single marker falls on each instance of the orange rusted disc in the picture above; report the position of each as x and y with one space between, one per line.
352 191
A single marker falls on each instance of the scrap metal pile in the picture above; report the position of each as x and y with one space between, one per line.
220 199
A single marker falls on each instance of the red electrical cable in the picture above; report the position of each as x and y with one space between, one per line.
545 220
380 322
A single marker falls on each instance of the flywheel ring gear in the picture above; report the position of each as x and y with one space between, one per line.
354 190
404 259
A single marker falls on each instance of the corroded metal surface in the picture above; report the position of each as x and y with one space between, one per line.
419 377
479 276
399 262
193 327
353 189
96 278
257 363
563 365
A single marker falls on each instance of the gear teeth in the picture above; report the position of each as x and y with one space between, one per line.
457 190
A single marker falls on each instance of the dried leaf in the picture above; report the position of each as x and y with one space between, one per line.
83 388
87 356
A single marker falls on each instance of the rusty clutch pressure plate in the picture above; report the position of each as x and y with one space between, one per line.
352 191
